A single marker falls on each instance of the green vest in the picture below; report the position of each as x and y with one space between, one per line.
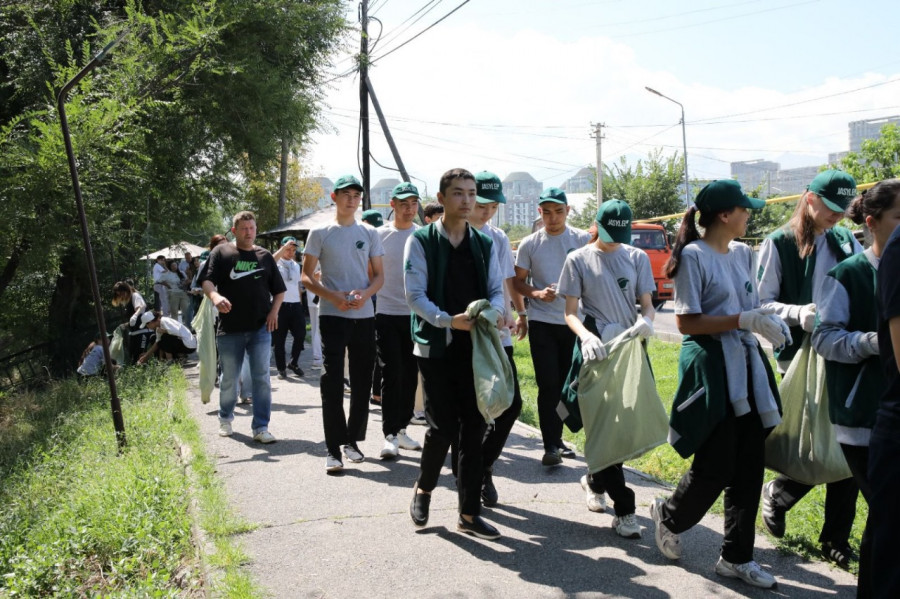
858 277
437 254
797 274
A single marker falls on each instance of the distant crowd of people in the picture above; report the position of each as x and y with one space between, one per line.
451 289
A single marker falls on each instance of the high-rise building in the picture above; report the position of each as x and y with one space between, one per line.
522 193
380 196
584 181
753 174
868 129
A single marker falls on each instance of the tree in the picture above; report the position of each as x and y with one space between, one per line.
878 159
162 132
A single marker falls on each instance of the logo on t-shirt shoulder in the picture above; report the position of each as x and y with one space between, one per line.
244 268
748 286
623 282
360 245
570 250
408 266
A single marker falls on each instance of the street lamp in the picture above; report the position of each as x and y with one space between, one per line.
687 188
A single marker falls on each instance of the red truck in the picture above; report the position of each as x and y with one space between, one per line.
652 238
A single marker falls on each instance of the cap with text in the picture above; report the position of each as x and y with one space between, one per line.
614 222
348 181
555 195
405 190
836 188
489 188
289 238
373 217
725 194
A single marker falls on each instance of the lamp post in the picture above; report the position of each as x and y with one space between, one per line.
687 188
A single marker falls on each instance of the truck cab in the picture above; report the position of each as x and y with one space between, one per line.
652 238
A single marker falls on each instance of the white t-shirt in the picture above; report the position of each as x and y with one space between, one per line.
607 283
290 272
173 327
543 255
344 253
158 269
392 297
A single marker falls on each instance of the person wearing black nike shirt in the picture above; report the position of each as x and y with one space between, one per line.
243 283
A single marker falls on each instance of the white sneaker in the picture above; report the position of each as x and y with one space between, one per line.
391 448
262 435
627 526
668 542
596 502
353 454
407 442
225 428
333 464
419 419
749 572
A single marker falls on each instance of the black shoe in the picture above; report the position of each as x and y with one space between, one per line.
282 374
489 496
418 507
374 401
772 515
565 451
551 457
295 369
477 527
840 554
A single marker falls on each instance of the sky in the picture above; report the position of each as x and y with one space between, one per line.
509 85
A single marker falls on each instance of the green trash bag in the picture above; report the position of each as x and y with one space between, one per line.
494 382
804 447
204 324
621 411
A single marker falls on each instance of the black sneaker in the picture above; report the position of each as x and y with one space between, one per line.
478 528
565 451
551 457
772 515
418 507
282 374
839 554
295 369
489 496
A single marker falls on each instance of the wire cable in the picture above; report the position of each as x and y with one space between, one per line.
394 49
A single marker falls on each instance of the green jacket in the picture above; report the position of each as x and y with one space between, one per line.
437 252
854 389
797 274
701 400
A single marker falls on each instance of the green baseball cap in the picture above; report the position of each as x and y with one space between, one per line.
489 188
836 188
405 190
347 181
284 240
723 194
555 195
373 217
204 254
614 222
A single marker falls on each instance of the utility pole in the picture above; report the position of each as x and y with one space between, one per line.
282 186
364 99
598 135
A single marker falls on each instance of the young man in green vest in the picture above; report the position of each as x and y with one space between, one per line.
448 265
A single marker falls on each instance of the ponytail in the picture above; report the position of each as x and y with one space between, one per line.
687 233
873 202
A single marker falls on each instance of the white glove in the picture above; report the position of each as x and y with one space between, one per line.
760 321
868 344
643 327
592 348
808 317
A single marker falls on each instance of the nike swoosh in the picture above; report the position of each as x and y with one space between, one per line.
240 275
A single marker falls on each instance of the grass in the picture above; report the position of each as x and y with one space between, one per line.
804 521
80 518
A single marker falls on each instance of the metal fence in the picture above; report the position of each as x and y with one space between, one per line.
26 367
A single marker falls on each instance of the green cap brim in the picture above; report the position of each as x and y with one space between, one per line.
833 206
623 236
403 196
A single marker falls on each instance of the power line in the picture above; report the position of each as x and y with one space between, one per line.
392 50
396 31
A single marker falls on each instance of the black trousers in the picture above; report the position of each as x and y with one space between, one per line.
452 413
290 320
398 369
858 461
356 337
731 460
884 478
840 505
611 480
495 437
551 353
